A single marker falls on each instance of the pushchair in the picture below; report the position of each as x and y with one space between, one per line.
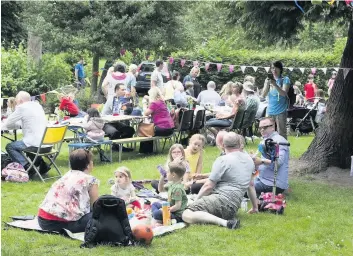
303 120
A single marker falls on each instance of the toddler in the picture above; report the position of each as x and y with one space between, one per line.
94 125
124 189
176 193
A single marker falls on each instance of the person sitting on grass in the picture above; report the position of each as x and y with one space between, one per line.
264 182
176 153
194 153
124 189
220 197
68 202
176 193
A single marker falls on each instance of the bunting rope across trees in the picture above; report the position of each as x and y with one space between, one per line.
66 89
232 67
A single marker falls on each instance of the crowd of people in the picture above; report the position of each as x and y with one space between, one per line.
218 193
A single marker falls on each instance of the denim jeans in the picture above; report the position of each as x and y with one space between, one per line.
14 150
260 187
158 215
214 122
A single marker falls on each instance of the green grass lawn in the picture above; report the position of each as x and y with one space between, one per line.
317 220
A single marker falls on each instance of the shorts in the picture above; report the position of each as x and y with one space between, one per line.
214 204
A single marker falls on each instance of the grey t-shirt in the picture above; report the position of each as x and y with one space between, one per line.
232 175
157 76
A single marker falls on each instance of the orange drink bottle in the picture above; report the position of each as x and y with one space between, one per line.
166 214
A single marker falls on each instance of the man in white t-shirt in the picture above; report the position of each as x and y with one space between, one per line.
156 77
31 116
209 96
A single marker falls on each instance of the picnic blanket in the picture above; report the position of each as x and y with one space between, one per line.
33 225
157 231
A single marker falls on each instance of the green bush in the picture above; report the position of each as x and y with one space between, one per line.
21 73
221 51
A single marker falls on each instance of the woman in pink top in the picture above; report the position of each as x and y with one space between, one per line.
163 122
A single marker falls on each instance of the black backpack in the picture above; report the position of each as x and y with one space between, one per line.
109 224
5 160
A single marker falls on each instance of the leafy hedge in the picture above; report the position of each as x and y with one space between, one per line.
21 73
219 51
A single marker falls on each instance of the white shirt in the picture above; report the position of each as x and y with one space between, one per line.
209 96
33 122
158 78
124 194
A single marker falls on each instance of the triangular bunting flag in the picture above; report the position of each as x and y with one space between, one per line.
324 70
313 71
219 66
171 60
33 98
243 68
267 69
231 68
302 70
43 97
290 69
336 69
195 63
207 65
2 101
182 62
345 72
255 68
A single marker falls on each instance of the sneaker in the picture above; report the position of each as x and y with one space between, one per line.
233 224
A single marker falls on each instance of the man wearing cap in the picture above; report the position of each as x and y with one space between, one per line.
252 105
221 195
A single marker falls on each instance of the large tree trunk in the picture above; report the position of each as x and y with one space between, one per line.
95 71
333 143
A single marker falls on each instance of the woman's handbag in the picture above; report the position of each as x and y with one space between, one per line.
145 130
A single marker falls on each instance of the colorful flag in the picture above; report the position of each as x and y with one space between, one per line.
231 68
324 70
43 97
207 65
182 62
243 68
345 72
313 71
254 68
171 60
302 70
219 66
267 69
195 63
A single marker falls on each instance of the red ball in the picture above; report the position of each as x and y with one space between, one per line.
143 234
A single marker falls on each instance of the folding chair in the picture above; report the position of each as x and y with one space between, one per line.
247 124
186 124
53 138
237 121
199 121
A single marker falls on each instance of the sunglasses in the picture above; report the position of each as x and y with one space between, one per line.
264 127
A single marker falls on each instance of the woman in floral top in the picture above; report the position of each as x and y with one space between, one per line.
68 202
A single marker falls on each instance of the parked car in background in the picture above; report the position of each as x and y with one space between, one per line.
144 72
